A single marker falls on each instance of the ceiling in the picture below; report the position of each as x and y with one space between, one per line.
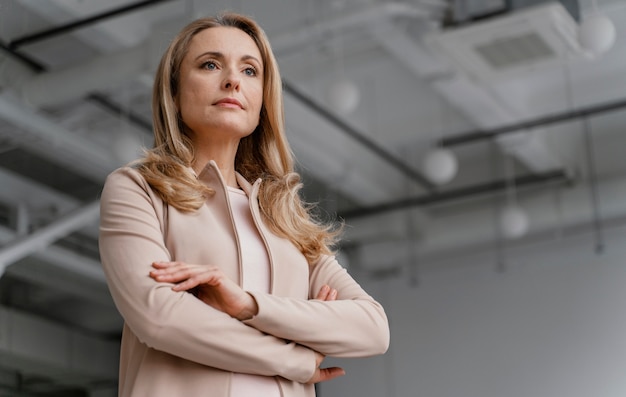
541 126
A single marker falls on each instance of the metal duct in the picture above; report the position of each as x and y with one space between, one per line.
467 10
42 238
115 68
571 6
473 228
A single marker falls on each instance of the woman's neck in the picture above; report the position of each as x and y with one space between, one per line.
224 157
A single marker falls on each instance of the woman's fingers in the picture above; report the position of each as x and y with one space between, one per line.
186 276
215 289
164 265
326 293
323 293
178 270
198 279
324 374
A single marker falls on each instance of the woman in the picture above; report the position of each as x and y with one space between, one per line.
226 283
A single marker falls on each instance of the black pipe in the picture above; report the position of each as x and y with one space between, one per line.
117 109
99 98
359 137
474 136
25 59
44 34
460 193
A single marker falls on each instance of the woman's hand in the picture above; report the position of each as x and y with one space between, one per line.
221 293
212 286
323 374
326 293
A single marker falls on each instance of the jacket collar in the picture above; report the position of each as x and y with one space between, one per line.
212 177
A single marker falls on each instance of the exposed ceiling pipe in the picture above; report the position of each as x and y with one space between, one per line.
83 278
27 197
458 194
59 261
373 146
480 135
15 75
473 100
294 40
115 68
47 33
331 156
54 142
40 239
97 74
474 136
33 66
486 110
112 69
454 232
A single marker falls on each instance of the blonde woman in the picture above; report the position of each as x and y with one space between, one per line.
226 283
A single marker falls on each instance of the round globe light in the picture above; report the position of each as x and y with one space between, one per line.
597 34
513 222
440 166
343 96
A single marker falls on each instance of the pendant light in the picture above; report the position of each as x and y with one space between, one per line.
440 164
342 93
514 221
597 32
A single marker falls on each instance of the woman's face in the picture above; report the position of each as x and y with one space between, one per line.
221 85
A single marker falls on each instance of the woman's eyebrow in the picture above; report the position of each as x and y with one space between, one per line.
249 57
214 54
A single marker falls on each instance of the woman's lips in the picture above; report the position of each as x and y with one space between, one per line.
229 102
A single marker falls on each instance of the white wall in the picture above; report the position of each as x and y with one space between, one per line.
552 324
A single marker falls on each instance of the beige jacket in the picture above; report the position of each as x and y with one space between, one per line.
175 345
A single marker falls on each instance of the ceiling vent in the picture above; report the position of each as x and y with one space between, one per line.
519 42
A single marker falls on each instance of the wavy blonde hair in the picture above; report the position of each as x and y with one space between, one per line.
263 154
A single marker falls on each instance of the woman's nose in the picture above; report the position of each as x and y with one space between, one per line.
231 81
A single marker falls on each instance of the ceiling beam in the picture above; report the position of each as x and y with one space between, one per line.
361 138
295 40
475 100
80 23
55 142
568 115
38 67
42 238
459 194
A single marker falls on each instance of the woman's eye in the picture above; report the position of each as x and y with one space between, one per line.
250 71
210 65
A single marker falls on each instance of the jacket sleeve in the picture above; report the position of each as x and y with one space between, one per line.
131 238
354 325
